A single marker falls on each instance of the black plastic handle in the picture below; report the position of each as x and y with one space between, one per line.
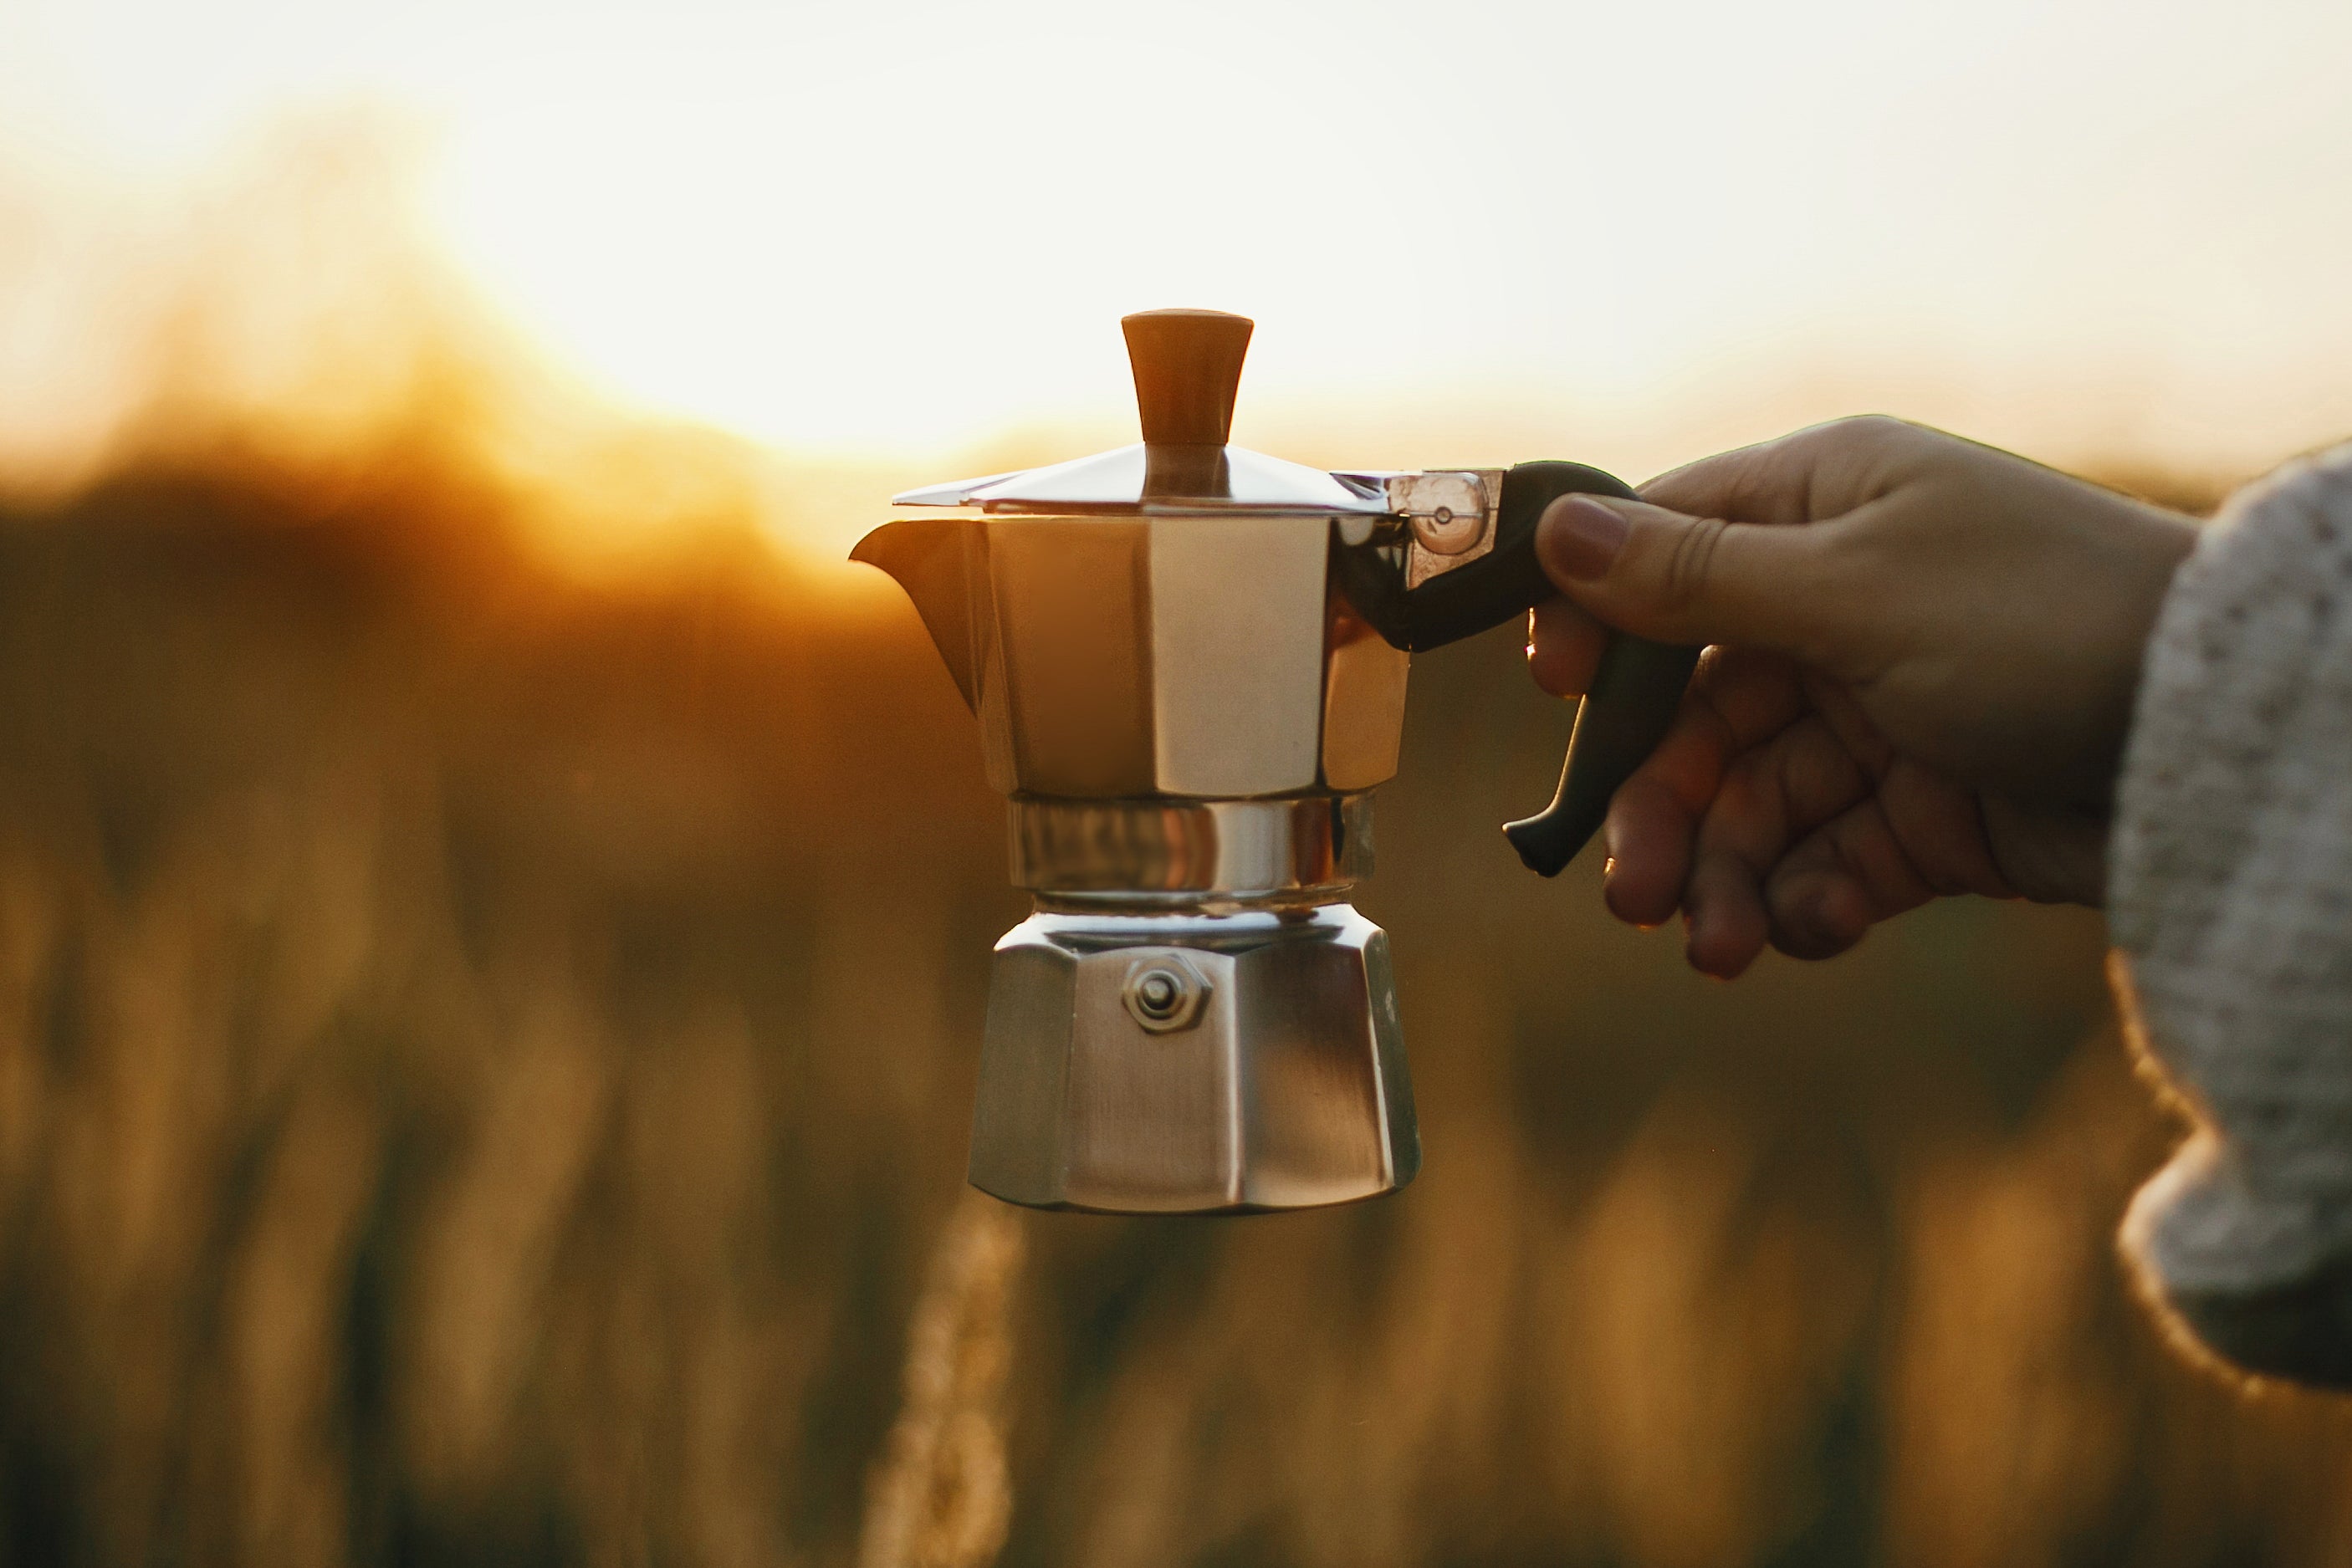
1635 690
1625 712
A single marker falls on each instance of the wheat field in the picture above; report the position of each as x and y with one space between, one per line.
485 1047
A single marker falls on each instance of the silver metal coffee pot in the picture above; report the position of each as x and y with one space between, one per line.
1188 660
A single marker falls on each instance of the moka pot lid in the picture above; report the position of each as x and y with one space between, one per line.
1187 365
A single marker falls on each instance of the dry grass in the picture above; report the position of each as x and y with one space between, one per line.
483 1060
940 1496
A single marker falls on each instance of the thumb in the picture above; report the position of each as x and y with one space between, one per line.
1678 578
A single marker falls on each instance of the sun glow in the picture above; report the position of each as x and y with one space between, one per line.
904 229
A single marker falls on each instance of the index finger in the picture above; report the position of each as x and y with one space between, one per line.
1822 471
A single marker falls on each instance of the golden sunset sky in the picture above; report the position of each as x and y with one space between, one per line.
902 229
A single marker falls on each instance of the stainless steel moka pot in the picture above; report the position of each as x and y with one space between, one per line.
1188 660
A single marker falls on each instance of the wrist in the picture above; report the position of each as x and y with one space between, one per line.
2048 855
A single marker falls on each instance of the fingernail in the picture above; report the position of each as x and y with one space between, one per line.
1580 536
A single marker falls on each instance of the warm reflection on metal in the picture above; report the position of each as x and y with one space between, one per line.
1187 714
1065 694
1122 657
1284 1087
1450 515
1363 700
1302 844
1187 717
1237 638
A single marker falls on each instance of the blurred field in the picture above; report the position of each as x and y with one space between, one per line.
484 1051
491 960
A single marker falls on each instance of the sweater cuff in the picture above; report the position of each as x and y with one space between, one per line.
2299 1329
2230 901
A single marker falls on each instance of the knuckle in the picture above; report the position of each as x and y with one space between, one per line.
1865 439
1690 564
1873 429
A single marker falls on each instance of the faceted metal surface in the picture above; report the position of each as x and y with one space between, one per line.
1363 700
1286 1089
1237 641
1186 715
1126 656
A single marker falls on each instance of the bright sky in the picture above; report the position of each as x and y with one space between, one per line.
903 227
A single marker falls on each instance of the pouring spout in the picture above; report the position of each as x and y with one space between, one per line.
937 561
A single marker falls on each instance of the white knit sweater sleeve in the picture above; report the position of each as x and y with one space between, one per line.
2230 903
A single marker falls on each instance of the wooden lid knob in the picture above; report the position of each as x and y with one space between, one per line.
1187 364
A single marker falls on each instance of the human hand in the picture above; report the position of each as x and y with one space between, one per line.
1922 658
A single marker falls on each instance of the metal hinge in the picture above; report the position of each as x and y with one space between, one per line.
1450 515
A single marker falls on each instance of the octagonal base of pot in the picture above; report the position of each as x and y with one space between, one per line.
1284 1087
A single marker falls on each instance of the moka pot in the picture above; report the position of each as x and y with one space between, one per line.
1189 663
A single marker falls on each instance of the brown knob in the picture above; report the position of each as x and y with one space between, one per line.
1187 365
